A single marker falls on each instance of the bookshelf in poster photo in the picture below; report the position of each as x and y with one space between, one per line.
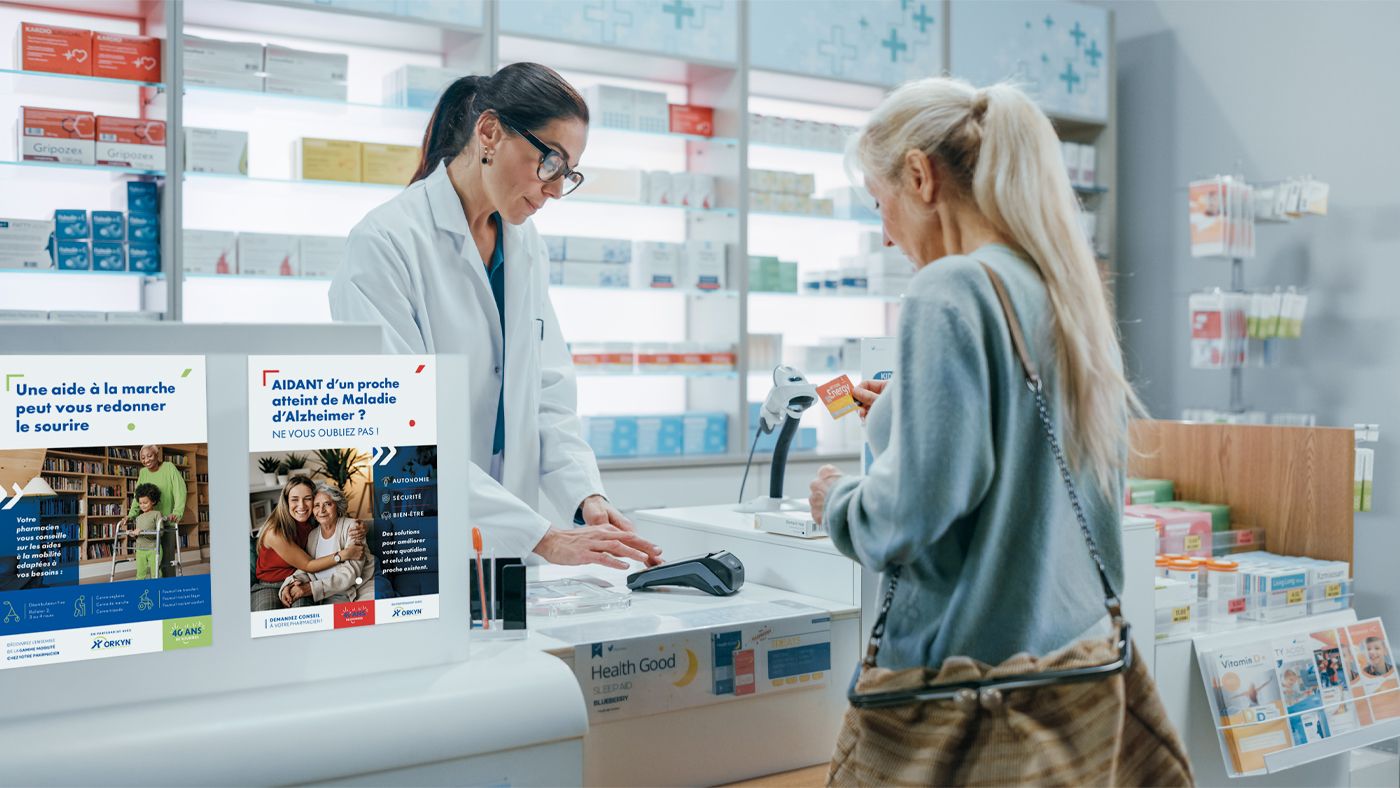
99 538
1292 691
349 538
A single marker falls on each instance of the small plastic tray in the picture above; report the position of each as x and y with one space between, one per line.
573 595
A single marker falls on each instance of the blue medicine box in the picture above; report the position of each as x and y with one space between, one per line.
143 258
659 436
705 433
109 226
70 225
107 256
142 197
613 436
72 255
143 227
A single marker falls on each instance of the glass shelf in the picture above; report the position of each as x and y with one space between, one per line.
157 276
49 165
646 291
14 73
807 217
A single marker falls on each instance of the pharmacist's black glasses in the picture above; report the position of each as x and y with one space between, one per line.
552 166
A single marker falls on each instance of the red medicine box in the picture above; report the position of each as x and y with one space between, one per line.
117 56
55 50
692 119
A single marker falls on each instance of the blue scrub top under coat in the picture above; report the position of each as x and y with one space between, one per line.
496 274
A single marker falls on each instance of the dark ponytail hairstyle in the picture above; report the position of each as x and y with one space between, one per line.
529 95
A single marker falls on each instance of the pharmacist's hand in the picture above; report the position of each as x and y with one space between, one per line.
596 544
866 392
827 476
598 511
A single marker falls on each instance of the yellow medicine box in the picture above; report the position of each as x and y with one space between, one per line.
327 160
391 164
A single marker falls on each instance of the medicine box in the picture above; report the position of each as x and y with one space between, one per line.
219 151
704 265
64 136
143 228
611 107
651 111
418 87
705 433
300 65
614 185
321 255
108 256
576 274
763 274
554 247
798 524
139 196
660 188
612 436
699 191
130 142
143 258
331 91
71 224
787 277
108 226
55 50
659 436
692 119
597 250
268 254
73 255
327 160
24 243
224 80
116 56
389 164
213 56
656 265
1088 165
209 252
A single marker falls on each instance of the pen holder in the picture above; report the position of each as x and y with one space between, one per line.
501 615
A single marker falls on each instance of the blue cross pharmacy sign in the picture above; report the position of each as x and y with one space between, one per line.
878 42
1055 51
700 29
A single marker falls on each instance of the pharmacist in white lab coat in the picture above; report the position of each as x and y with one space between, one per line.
453 265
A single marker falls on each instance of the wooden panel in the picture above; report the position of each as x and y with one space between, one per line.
18 466
1293 482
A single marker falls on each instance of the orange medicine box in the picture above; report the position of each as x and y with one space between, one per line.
59 135
692 119
131 142
116 56
56 50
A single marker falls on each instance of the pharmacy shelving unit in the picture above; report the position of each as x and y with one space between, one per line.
378 42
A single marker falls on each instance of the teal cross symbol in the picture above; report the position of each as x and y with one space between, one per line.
1049 23
837 49
894 45
608 20
923 19
680 9
1093 53
1070 78
1078 35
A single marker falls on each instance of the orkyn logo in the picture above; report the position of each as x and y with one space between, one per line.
101 643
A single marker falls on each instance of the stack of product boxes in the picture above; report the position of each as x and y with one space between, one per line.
236 65
261 254
120 240
794 133
1081 164
66 50
773 191
627 358
577 261
649 187
219 151
354 162
876 270
75 137
657 436
613 107
453 12
771 275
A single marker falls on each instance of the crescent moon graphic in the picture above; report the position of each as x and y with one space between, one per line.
690 670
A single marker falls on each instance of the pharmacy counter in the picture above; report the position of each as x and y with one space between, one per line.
500 719
682 688
817 568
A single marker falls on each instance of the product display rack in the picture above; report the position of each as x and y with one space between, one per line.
274 202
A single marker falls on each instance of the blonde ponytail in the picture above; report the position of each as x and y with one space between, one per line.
1000 149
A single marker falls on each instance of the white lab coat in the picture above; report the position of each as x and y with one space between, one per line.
411 266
